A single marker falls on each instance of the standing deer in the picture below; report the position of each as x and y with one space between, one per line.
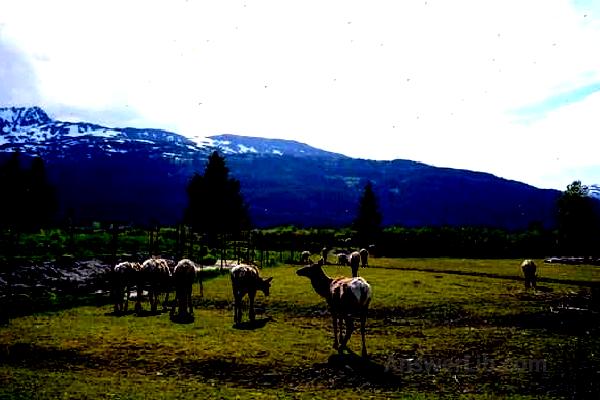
246 279
155 273
364 258
354 262
125 276
346 298
529 269
184 276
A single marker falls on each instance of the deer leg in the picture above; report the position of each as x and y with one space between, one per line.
127 288
153 300
172 312
251 311
166 302
349 330
189 300
236 309
363 321
335 331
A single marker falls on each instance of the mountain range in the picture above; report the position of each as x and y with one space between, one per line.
139 176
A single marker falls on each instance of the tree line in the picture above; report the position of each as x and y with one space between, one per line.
217 213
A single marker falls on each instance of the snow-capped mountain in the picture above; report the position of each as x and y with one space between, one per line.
32 131
233 144
140 176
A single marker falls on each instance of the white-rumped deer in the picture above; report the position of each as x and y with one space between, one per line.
346 297
155 273
125 277
184 276
354 259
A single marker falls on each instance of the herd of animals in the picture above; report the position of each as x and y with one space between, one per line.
347 297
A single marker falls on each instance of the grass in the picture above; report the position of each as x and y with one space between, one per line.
429 333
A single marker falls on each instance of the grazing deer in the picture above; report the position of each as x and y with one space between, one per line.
364 257
346 298
245 279
125 276
184 276
342 259
529 268
354 262
305 257
156 274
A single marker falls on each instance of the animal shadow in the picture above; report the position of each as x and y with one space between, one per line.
252 325
114 313
185 318
148 313
365 368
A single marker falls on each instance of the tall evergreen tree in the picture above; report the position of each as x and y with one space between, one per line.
215 203
40 203
12 179
368 220
27 201
577 220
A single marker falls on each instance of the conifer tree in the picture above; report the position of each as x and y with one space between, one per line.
368 220
215 203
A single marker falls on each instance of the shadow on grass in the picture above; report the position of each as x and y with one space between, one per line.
185 318
352 363
566 321
119 313
252 325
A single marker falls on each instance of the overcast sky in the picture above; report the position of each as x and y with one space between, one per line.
506 87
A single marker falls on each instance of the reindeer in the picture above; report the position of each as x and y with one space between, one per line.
342 259
124 279
155 273
184 276
346 298
529 268
324 252
305 257
364 258
354 259
246 279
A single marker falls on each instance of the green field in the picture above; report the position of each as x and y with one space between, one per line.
436 327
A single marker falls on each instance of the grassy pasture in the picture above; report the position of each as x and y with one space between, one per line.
437 327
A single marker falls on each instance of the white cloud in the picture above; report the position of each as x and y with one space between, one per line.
434 81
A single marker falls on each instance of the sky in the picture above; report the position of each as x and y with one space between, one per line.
506 87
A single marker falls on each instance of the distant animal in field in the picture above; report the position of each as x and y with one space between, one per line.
354 262
305 257
342 259
347 298
371 249
364 258
156 277
184 276
324 252
125 278
529 273
246 279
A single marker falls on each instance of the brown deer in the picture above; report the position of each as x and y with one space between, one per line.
364 258
529 268
125 276
184 276
346 298
155 273
246 279
354 259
